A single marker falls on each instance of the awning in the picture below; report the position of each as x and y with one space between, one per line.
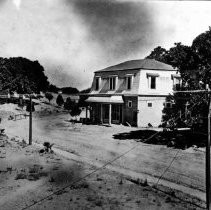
107 99
153 75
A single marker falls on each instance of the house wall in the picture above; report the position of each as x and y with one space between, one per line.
120 83
164 82
152 115
130 114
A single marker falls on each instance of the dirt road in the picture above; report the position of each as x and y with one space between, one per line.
95 144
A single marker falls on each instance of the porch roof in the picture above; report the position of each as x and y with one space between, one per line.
106 99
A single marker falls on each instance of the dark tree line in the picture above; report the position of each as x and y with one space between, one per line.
64 90
22 75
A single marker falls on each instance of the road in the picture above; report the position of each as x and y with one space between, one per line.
96 145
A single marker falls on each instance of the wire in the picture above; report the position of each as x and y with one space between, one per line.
167 168
161 176
108 163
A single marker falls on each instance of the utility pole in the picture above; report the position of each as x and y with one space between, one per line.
208 181
208 169
30 121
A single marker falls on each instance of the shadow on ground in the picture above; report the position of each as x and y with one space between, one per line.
176 139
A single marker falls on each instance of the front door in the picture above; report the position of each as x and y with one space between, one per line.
116 113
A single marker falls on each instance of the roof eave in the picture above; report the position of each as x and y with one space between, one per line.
136 69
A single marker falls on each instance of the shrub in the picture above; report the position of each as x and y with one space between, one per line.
60 100
69 104
49 96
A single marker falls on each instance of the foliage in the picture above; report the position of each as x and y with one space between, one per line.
49 96
158 54
72 106
75 111
69 90
59 100
194 64
22 75
82 102
69 104
53 88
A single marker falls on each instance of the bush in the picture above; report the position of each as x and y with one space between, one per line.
75 111
60 100
49 96
69 104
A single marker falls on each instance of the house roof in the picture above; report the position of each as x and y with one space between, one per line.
139 64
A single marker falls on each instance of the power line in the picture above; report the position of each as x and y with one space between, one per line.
89 174
108 163
161 176
167 168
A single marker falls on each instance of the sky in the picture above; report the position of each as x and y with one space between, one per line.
73 38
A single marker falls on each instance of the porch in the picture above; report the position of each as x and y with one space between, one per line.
106 110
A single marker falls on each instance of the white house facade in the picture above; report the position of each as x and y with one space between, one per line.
132 92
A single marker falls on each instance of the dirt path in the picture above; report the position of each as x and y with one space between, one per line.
96 145
30 180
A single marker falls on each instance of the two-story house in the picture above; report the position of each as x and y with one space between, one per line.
132 92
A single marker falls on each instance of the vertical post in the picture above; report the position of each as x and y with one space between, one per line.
86 114
208 190
109 116
30 122
186 110
101 113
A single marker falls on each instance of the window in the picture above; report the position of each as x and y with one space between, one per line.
129 82
130 104
97 83
168 104
177 84
176 81
153 82
149 104
112 83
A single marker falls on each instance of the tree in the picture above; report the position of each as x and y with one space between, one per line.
69 104
49 96
82 102
202 46
69 90
75 111
59 100
194 66
158 54
52 88
22 75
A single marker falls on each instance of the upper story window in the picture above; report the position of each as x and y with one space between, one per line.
176 81
112 83
97 83
129 80
152 81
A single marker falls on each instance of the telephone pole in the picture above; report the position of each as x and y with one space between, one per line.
30 121
207 165
208 179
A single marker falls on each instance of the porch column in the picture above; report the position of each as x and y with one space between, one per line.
86 114
109 116
101 113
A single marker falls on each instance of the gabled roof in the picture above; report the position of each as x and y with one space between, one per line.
139 64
